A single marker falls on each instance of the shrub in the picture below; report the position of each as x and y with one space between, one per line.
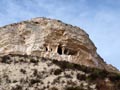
81 77
101 85
114 76
97 73
18 87
68 76
34 61
35 72
57 71
33 81
54 88
6 59
23 71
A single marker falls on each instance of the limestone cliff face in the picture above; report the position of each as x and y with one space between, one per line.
52 39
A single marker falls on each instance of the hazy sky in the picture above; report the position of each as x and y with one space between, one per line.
99 18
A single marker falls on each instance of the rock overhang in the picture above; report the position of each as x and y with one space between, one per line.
52 39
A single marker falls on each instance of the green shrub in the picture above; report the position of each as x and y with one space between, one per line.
114 76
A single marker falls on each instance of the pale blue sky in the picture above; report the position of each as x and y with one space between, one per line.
99 18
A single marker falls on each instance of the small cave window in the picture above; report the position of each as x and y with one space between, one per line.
59 50
36 22
46 48
69 52
66 52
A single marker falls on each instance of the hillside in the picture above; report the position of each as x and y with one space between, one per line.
22 72
48 54
53 39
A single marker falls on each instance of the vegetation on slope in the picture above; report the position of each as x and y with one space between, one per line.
64 73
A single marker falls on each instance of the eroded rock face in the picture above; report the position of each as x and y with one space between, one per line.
52 39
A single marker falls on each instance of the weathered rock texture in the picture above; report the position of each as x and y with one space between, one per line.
22 72
52 39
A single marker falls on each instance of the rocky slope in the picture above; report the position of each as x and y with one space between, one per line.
22 72
52 39
47 54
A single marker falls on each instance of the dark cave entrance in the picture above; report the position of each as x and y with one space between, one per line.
59 50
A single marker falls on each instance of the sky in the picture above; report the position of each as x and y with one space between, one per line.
99 18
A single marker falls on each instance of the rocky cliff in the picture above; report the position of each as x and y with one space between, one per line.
47 54
52 39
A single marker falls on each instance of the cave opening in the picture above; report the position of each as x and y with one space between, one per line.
59 50
66 52
46 48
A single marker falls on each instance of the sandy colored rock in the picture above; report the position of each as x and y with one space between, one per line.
52 39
